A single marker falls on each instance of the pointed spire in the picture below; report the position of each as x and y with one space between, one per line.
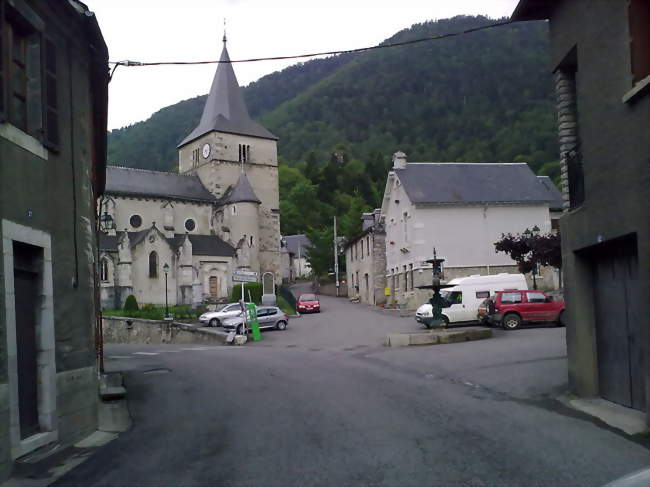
241 192
225 109
224 33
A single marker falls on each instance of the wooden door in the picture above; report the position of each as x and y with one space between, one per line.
621 360
213 283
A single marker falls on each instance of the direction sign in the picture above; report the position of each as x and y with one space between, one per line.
244 276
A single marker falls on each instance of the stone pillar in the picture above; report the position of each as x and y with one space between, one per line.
185 272
124 284
565 91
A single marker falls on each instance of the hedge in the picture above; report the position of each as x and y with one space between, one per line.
254 288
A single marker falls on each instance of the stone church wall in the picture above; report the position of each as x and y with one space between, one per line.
151 210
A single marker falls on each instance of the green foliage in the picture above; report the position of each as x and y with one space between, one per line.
284 305
130 304
254 288
321 256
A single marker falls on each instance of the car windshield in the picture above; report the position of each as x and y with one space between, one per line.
308 297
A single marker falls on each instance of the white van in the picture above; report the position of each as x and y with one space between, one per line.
466 294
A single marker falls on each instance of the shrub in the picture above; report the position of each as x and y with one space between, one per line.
254 288
131 304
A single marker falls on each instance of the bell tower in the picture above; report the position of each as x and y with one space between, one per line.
227 142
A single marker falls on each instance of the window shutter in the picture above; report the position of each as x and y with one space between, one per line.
3 71
50 98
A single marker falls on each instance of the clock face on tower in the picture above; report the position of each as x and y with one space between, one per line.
206 151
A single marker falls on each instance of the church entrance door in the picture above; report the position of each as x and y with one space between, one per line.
214 287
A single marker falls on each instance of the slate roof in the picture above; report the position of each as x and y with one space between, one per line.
205 245
294 242
201 244
241 192
471 183
556 203
225 109
127 181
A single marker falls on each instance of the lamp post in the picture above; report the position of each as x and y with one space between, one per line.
166 270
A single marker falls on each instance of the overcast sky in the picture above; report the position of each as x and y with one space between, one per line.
191 30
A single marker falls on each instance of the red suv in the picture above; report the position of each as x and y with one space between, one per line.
513 308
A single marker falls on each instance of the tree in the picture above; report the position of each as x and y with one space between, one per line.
530 251
321 256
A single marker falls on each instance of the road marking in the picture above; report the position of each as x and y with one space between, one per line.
118 356
145 353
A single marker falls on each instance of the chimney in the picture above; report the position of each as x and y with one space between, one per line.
399 160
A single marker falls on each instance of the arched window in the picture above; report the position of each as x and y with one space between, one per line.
153 264
103 270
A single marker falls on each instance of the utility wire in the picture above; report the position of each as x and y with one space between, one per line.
315 54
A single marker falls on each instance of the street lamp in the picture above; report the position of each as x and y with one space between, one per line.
106 221
536 231
166 270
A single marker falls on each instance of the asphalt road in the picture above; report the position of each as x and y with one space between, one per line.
324 404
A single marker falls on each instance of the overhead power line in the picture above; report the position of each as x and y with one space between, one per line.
313 54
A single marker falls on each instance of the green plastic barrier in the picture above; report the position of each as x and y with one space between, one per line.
253 323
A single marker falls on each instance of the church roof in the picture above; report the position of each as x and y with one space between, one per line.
241 192
201 244
127 181
472 183
225 109
204 245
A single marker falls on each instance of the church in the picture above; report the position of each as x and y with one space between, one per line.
184 234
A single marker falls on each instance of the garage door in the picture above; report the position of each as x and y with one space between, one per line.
618 324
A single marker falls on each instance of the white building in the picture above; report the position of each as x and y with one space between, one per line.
220 213
461 209
297 247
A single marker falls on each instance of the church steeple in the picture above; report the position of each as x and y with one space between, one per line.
225 109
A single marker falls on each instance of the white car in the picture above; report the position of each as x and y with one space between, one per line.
214 318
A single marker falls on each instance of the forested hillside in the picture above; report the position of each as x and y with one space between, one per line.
481 97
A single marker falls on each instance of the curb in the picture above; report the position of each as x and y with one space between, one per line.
436 337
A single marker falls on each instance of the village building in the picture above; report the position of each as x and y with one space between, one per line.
53 109
297 264
461 210
365 261
180 236
600 57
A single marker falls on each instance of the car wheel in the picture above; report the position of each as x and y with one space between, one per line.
560 319
281 325
240 330
511 321
215 322
446 320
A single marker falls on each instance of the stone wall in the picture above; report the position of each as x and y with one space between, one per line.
139 331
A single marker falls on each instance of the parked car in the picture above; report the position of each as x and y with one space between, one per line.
514 308
268 317
308 303
463 298
215 318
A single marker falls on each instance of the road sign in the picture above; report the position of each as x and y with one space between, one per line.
244 276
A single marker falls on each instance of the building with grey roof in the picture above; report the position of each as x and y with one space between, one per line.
461 209
297 248
219 213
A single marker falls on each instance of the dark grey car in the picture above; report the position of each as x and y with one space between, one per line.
268 317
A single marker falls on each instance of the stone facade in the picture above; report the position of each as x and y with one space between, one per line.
365 259
603 105
51 170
